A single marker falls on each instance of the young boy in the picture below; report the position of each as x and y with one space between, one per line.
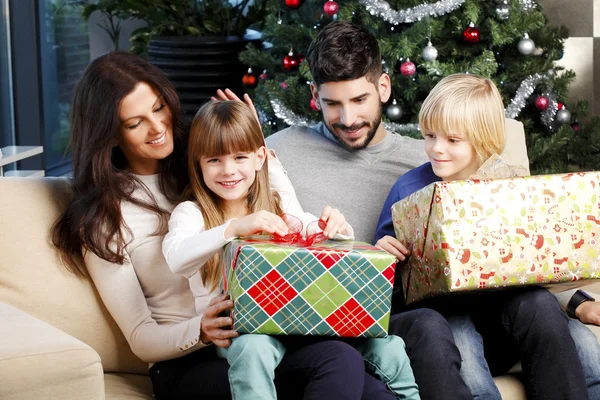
463 123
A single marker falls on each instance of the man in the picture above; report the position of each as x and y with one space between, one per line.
351 162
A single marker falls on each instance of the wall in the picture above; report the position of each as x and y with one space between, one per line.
582 17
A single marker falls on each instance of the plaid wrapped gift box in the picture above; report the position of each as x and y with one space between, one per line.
329 289
479 234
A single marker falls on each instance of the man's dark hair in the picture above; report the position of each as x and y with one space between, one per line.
343 51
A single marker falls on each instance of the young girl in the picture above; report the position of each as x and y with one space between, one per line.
230 196
463 123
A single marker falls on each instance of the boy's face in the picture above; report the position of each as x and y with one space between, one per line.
352 110
452 156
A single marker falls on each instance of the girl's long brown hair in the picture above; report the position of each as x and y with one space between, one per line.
93 220
221 128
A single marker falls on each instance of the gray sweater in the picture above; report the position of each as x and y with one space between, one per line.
356 182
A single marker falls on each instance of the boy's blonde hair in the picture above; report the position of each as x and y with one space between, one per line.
220 128
468 104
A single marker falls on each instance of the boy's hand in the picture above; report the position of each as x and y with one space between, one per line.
335 220
260 221
393 246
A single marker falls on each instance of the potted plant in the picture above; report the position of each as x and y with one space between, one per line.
196 42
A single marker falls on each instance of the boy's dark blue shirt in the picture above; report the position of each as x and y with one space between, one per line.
407 184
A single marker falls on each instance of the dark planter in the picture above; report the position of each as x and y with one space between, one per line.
198 66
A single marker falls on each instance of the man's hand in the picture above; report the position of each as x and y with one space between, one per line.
227 94
393 246
211 327
588 312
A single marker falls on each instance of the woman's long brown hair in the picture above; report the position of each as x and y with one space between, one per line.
93 220
221 128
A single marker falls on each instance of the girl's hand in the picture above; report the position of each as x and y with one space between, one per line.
211 327
393 246
228 95
260 221
335 220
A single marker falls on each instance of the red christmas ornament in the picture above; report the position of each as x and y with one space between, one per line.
408 68
560 105
290 62
471 34
331 8
283 85
313 104
264 75
575 126
542 103
249 79
293 3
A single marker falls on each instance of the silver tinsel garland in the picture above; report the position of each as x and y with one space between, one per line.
515 107
382 9
288 116
524 91
549 114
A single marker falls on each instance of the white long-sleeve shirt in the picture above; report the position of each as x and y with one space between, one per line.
188 246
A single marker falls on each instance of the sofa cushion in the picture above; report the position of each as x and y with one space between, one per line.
39 361
33 279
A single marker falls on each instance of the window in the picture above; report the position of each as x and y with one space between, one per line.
64 53
7 135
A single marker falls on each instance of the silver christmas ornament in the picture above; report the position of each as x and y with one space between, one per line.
503 11
563 116
394 111
430 53
526 46
550 73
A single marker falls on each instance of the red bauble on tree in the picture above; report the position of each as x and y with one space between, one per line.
560 105
331 8
542 103
290 62
471 34
264 75
408 68
249 80
293 3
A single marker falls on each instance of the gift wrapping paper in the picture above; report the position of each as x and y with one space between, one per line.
329 289
480 234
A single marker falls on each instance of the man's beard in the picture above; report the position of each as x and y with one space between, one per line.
350 146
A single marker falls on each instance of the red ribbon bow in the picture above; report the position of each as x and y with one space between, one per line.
314 232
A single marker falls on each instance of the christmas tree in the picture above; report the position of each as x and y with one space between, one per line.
422 41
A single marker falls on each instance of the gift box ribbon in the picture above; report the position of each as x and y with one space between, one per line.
314 232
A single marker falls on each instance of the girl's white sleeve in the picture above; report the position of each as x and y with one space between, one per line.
289 201
187 246
121 293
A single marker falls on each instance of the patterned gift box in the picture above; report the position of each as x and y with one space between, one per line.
480 234
329 289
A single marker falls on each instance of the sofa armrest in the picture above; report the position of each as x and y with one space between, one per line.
39 361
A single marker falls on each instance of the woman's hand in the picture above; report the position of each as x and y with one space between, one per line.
393 246
335 220
211 327
260 221
228 95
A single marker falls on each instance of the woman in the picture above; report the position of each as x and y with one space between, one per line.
129 168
